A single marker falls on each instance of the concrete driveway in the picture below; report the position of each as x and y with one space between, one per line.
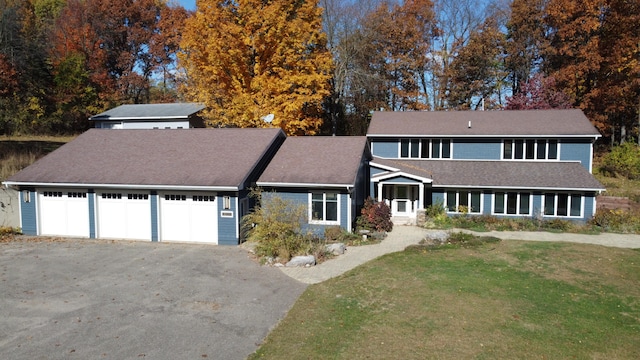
97 299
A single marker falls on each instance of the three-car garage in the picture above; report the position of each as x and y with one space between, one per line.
125 214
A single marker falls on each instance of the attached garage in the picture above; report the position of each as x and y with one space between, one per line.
186 216
153 185
63 212
123 215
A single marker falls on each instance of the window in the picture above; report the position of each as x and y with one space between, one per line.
562 204
324 208
512 203
138 196
111 196
530 149
462 201
425 148
201 198
174 197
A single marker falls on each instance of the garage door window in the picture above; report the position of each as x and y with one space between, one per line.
174 197
76 194
202 198
111 196
138 196
52 194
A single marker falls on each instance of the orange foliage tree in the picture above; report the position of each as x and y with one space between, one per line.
247 59
594 55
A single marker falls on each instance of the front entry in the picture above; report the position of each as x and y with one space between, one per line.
402 199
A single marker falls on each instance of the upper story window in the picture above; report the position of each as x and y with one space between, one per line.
425 148
530 149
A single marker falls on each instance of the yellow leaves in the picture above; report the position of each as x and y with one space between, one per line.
249 58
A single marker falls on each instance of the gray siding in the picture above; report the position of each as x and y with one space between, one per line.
464 149
227 226
576 151
176 124
29 213
386 148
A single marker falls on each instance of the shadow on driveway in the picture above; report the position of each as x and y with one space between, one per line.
89 299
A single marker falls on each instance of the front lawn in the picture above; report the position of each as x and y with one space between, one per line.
510 299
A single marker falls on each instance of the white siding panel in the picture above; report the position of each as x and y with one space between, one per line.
188 217
63 213
120 217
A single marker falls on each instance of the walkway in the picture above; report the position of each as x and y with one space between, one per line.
403 236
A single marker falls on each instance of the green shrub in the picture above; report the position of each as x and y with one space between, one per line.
336 234
616 221
623 160
275 225
375 216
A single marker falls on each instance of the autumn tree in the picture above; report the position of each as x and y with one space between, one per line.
593 55
525 40
247 59
476 74
539 92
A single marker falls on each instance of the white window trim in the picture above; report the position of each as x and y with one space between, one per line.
555 205
324 204
430 148
535 150
493 201
468 201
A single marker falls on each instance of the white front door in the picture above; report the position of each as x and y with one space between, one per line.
401 204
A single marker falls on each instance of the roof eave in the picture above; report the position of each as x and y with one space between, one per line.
121 186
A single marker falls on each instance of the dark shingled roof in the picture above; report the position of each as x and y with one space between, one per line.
548 123
329 160
193 157
501 174
150 111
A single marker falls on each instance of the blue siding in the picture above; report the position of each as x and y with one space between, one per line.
400 179
154 215
437 196
227 226
476 149
589 206
576 151
28 214
487 204
301 197
387 148
91 199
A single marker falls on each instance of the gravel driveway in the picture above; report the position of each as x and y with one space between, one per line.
89 299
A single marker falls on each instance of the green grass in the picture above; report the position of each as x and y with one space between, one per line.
517 300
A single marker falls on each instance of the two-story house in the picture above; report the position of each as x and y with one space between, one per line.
534 163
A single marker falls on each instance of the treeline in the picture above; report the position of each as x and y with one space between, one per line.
318 66
64 60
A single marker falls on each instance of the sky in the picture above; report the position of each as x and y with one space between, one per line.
188 4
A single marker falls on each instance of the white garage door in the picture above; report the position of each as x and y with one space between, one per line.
188 217
63 212
123 215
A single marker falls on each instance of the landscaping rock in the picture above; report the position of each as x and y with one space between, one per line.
436 238
335 249
307 260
